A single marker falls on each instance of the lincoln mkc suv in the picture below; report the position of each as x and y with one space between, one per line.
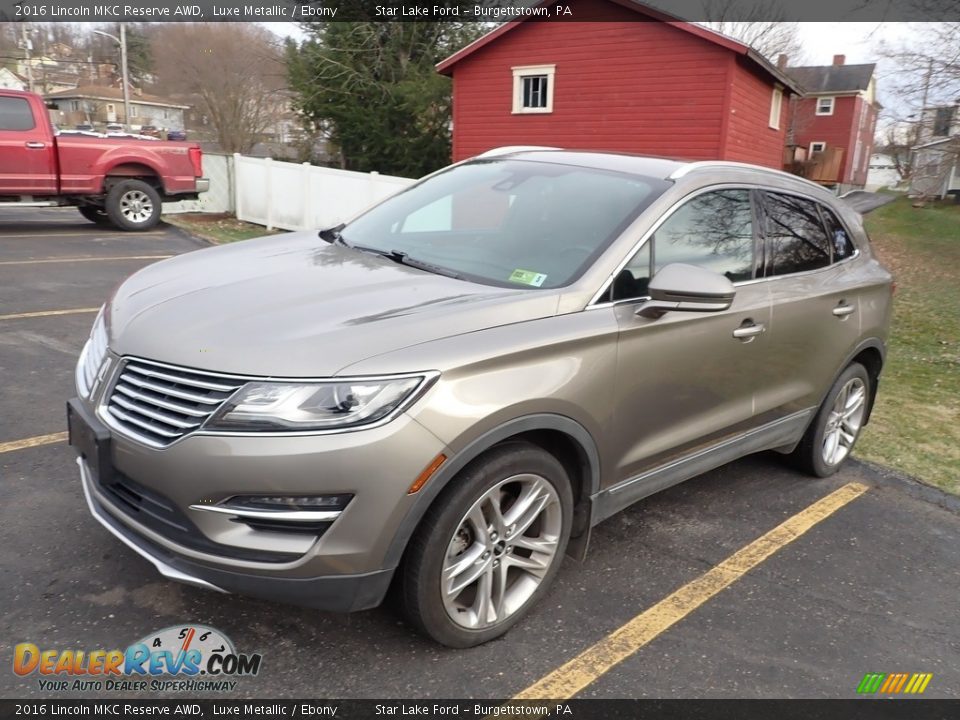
444 395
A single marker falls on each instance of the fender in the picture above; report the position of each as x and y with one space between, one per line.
483 443
875 343
112 158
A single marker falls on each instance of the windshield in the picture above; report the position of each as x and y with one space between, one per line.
510 223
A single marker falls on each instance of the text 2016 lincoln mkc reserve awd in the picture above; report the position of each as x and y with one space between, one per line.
449 391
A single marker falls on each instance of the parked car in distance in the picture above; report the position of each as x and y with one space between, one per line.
176 135
115 179
453 388
115 128
150 130
86 127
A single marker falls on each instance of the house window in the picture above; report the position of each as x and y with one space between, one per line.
825 106
942 121
776 104
533 88
817 147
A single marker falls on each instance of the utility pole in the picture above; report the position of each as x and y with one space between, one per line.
27 45
122 42
126 78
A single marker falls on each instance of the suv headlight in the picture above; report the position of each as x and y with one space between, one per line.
286 407
92 356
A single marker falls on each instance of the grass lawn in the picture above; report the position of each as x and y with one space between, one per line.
915 425
217 227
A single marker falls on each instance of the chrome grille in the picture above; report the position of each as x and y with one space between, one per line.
159 403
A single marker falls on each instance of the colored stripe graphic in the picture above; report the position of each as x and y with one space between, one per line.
894 683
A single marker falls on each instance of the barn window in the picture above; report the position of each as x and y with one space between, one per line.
825 106
533 88
776 105
817 147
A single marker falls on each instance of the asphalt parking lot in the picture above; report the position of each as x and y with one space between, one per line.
862 576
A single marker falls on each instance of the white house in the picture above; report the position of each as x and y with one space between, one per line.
9 80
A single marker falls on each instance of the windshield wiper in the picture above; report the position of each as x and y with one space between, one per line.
402 258
332 234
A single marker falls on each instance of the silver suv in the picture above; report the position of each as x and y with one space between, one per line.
450 391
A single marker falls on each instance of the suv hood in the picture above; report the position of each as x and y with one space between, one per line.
295 306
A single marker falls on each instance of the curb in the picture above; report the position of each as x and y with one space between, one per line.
915 488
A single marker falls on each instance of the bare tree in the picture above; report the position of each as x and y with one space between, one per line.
758 23
926 85
233 71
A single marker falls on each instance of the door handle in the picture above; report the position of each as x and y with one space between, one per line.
843 309
34 145
748 332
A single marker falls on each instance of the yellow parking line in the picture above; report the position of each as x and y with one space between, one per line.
85 259
46 313
32 442
572 677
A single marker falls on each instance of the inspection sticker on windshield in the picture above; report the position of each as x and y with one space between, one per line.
528 277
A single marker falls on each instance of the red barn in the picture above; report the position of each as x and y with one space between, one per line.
620 76
835 120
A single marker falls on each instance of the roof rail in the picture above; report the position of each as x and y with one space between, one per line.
688 168
510 149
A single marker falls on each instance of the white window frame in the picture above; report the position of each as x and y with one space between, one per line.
776 107
524 71
822 148
826 111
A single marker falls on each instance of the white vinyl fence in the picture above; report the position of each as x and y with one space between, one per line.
298 197
219 198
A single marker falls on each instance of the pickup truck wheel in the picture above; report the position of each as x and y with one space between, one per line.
489 546
133 205
94 214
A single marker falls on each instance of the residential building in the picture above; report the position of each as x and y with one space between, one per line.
101 105
834 121
630 78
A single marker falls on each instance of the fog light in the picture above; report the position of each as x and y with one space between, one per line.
289 502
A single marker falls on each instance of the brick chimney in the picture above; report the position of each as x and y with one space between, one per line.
839 59
782 61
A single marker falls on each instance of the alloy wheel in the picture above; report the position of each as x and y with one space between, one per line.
844 421
136 206
501 551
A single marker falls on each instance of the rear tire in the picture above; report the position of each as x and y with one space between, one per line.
489 547
133 205
95 214
831 436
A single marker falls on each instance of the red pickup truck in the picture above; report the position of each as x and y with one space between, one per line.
118 180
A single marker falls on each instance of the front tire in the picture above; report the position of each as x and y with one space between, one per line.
489 547
133 205
831 436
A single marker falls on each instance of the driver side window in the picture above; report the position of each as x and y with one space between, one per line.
713 231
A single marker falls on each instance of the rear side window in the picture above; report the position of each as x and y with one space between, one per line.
15 114
796 238
839 237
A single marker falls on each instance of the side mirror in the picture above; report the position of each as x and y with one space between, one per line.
687 288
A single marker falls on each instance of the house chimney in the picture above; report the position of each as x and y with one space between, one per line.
782 61
839 59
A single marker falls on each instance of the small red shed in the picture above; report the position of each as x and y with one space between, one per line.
618 76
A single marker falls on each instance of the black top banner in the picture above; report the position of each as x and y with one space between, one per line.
855 709
458 11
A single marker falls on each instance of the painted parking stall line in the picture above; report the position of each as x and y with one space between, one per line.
576 674
47 313
111 258
32 442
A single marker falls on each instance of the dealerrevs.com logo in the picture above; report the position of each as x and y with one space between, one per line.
189 658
